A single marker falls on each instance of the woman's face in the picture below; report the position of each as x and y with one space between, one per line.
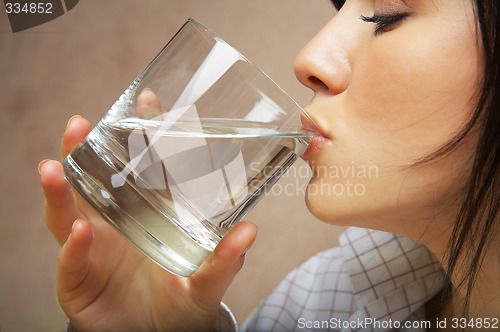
393 81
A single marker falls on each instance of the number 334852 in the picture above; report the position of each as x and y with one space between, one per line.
28 8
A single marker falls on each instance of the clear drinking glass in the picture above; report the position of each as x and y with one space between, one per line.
173 175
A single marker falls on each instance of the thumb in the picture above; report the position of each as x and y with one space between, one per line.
73 263
213 277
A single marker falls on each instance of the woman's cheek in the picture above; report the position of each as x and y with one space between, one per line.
411 113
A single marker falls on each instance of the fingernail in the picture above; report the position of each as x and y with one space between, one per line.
147 93
72 230
41 164
72 118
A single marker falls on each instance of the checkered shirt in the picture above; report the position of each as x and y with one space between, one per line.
373 276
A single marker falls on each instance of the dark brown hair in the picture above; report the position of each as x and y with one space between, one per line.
478 218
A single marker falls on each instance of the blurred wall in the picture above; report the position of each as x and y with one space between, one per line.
80 63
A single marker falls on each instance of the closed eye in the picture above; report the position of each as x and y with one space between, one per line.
386 22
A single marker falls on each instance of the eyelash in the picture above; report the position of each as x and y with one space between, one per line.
385 23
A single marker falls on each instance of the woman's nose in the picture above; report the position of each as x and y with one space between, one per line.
323 64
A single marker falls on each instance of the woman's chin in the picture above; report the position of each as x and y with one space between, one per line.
343 210
329 210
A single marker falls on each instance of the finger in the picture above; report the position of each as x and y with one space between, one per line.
73 259
60 207
211 280
76 131
148 105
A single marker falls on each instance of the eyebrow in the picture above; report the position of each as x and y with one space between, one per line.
404 2
337 3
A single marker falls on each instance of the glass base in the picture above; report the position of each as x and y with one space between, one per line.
132 214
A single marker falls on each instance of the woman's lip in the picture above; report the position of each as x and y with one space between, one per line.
308 124
317 143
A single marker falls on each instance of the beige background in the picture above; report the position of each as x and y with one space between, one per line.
79 64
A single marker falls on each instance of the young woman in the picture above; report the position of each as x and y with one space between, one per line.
408 86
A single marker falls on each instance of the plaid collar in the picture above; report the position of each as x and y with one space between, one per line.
392 276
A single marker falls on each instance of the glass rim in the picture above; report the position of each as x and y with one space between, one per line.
218 38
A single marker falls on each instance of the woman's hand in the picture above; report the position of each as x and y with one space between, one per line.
105 284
